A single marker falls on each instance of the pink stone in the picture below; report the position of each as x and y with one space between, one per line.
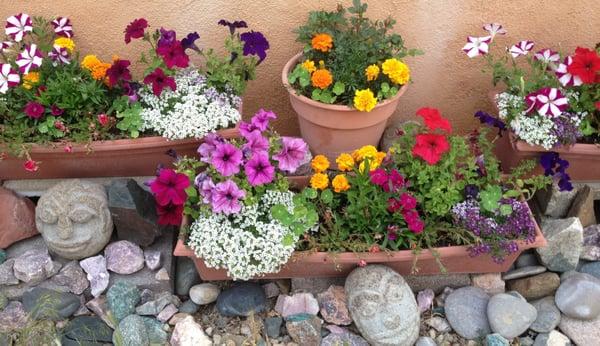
124 257
17 218
425 299
334 308
491 283
299 303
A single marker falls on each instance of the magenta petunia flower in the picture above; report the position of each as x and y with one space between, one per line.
521 48
9 78
62 27
477 46
255 143
551 102
531 101
59 55
118 71
135 29
407 201
548 57
29 58
173 55
226 159
379 177
159 81
393 205
396 181
259 169
261 119
564 76
170 214
494 29
169 187
292 154
255 44
34 110
18 25
56 111
208 146
226 197
5 45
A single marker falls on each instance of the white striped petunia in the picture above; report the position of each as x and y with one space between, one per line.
62 27
551 102
18 25
521 48
548 57
8 78
29 58
564 77
59 55
494 29
5 45
477 46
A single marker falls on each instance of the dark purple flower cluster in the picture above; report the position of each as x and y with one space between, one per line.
556 168
490 120
566 130
498 234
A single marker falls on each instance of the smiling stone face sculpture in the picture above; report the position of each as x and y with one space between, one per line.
382 306
74 219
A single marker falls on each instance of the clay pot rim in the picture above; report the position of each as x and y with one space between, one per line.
330 107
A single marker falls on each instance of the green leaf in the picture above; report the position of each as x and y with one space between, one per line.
43 127
279 212
506 209
385 87
490 197
298 228
326 196
288 240
191 191
310 193
316 95
338 88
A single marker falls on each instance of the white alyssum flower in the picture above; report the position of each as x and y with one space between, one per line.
193 110
535 130
248 244
509 106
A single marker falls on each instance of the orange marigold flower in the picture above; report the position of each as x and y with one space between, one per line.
321 78
322 42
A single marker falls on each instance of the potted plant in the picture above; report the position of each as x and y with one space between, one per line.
435 203
549 101
348 80
88 117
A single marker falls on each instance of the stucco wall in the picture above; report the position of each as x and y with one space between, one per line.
443 78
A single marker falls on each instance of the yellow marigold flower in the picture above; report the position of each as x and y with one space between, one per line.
322 42
366 151
345 162
319 181
31 79
373 164
364 100
309 66
372 72
321 78
90 61
396 70
96 67
99 72
340 183
65 42
379 157
319 163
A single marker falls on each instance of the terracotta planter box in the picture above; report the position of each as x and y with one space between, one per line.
334 129
455 259
118 158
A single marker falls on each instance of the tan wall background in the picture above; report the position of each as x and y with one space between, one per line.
444 77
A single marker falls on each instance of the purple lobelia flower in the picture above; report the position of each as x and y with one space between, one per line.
226 197
292 153
167 37
189 41
259 169
209 145
226 159
237 24
255 43
261 119
255 143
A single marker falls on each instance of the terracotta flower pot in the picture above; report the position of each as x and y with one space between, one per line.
333 129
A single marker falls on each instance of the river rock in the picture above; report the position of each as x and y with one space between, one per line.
7 276
565 241
592 268
583 206
582 333
204 293
242 299
579 297
536 287
553 338
495 340
131 332
591 243
122 298
305 329
346 339
491 283
548 315
98 276
526 259
43 303
124 257
437 283
3 256
299 303
189 307
153 259
86 330
438 323
555 203
133 212
333 306
466 310
523 272
34 266
382 306
186 276
273 326
510 315
13 317
189 333
73 277
167 313
425 341
17 218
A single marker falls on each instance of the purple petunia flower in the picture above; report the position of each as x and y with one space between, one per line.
259 169
255 44
247 128
226 197
209 145
238 24
255 143
167 37
556 167
490 120
292 153
189 41
226 159
261 119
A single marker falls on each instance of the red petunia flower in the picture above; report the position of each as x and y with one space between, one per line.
430 147
585 65
597 104
31 166
135 29
118 71
169 187
173 55
170 214
159 81
434 120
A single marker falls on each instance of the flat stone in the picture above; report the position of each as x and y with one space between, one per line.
437 283
43 303
162 275
153 259
122 298
156 331
510 316
72 276
167 313
34 267
299 303
565 239
491 283
131 331
466 310
333 306
425 299
555 203
189 307
17 218
97 274
273 326
592 268
189 333
523 272
124 257
133 211
305 329
7 276
591 243
313 285
527 259
554 338
242 299
346 339
583 206
99 307
178 317
271 290
548 315
204 293
37 187
13 317
581 333
495 340
154 307
382 306
425 341
186 276
536 287
579 297
86 330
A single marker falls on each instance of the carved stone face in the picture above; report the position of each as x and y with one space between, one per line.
74 219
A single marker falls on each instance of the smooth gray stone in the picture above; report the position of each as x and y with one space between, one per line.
510 315
579 297
466 310
548 315
523 272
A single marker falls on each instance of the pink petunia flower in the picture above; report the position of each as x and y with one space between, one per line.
521 48
564 76
362 263
494 29
62 27
31 166
226 159
59 55
255 143
9 78
18 25
477 46
208 146
68 148
551 102
29 58
548 57
261 119
169 187
226 197
293 152
206 189
259 170
103 119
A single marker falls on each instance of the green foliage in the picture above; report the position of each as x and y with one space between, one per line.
129 115
302 218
